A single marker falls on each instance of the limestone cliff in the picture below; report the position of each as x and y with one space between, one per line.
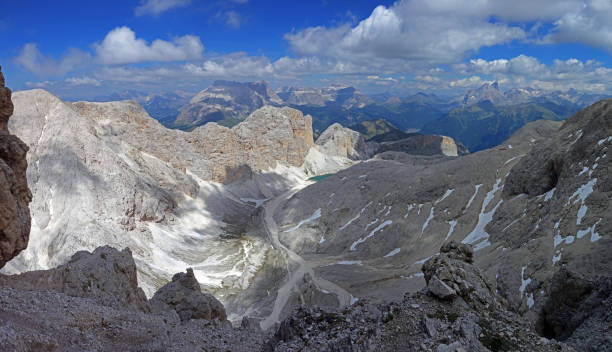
14 193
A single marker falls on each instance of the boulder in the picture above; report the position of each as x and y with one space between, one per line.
451 274
15 196
183 295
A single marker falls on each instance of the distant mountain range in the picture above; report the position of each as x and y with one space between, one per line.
479 119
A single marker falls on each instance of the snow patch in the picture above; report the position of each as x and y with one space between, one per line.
484 218
473 196
349 262
548 195
452 224
446 194
316 215
556 258
581 195
378 228
350 221
426 223
604 140
392 253
370 224
524 282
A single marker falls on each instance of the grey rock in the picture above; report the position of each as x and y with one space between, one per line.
453 347
343 142
106 275
183 295
439 289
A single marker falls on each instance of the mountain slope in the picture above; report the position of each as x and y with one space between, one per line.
536 203
485 125
109 174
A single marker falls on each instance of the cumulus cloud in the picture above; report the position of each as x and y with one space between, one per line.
120 46
417 30
157 7
36 62
524 70
590 25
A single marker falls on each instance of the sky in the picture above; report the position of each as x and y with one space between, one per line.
91 48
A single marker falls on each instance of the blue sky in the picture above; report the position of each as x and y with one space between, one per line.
81 49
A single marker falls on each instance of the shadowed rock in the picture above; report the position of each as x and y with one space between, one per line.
14 193
183 295
106 275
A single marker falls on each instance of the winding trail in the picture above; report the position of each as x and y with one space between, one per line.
303 267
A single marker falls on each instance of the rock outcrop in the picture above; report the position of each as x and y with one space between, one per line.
578 311
106 275
451 274
14 193
343 142
183 295
94 303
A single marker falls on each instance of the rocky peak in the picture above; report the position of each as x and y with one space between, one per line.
343 142
14 193
488 91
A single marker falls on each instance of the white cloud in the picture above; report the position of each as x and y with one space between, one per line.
429 31
82 81
157 7
43 84
473 81
36 62
120 46
231 18
237 65
590 25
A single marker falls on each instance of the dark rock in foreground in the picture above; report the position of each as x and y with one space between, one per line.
14 193
183 295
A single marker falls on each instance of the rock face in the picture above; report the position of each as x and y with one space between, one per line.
343 142
14 193
106 275
578 311
108 174
226 102
183 295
